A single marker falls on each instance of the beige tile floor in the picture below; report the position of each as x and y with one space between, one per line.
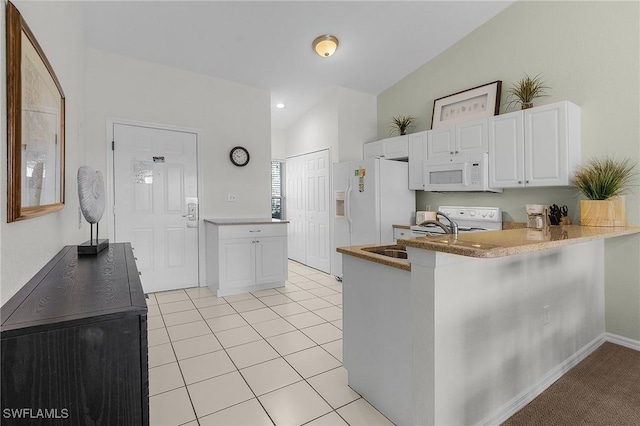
263 358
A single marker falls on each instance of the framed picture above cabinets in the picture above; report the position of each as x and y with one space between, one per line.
478 102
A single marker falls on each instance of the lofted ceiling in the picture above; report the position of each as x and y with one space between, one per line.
267 44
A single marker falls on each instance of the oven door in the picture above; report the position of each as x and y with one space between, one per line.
426 231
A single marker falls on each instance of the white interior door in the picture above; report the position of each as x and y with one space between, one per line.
155 203
317 210
295 209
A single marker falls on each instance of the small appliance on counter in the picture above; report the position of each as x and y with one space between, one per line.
537 216
423 216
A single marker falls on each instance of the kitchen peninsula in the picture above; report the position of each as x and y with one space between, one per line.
473 326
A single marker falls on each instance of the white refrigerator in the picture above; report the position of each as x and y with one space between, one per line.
369 196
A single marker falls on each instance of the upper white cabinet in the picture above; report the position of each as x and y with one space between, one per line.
463 138
417 155
396 148
535 147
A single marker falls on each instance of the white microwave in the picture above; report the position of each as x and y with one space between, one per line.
461 172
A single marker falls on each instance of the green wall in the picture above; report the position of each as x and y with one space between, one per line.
588 53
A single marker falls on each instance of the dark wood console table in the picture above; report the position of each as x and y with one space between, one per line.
74 343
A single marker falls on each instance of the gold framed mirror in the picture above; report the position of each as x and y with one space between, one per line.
35 126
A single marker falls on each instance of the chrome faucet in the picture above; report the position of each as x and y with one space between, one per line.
452 225
451 229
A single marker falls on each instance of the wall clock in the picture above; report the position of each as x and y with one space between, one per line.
239 156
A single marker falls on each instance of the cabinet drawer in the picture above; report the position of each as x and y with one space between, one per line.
401 233
258 230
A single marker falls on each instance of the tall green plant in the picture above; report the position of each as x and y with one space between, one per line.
604 178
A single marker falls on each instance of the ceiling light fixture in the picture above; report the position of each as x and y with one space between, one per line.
325 45
280 105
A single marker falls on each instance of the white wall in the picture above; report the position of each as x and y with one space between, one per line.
26 246
342 121
278 144
357 119
588 53
317 129
227 114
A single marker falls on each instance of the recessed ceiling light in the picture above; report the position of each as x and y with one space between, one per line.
280 105
325 45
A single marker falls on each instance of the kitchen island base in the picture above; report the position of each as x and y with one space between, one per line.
462 340
245 255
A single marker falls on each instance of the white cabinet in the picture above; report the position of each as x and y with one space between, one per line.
396 148
535 147
245 257
373 149
463 138
400 233
417 155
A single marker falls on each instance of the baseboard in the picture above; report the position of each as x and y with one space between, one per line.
528 395
623 341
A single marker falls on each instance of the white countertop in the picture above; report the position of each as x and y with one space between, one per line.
245 221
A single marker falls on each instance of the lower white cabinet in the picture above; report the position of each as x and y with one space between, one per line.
400 233
243 257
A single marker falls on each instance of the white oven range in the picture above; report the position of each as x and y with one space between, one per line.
469 219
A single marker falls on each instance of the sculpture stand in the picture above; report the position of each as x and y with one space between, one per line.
92 247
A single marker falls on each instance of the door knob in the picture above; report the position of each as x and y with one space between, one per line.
189 216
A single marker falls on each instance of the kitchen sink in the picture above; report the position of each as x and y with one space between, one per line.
398 252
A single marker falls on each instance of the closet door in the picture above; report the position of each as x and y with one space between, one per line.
295 205
317 215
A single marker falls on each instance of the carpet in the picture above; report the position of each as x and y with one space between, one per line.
603 389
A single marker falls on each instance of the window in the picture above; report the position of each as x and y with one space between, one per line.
277 189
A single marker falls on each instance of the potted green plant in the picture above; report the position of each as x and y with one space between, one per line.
602 181
400 124
525 91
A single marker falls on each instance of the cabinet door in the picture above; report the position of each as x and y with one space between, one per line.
373 149
396 148
237 260
417 155
472 137
441 142
546 145
271 259
506 150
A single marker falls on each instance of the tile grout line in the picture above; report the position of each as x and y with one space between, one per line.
254 297
285 360
292 367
